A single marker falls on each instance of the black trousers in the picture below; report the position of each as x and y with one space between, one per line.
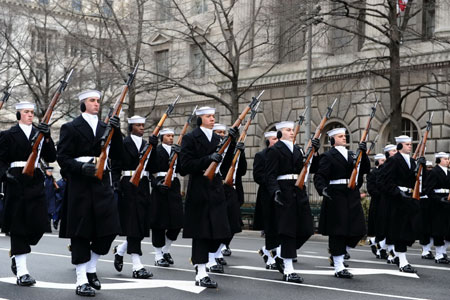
338 243
438 241
227 241
159 236
20 244
400 246
201 248
272 241
81 247
289 245
134 245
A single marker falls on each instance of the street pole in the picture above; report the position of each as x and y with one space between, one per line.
308 85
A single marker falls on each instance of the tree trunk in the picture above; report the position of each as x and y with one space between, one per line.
131 101
395 84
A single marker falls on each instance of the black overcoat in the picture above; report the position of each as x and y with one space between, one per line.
264 217
25 211
405 219
375 195
166 207
205 207
89 210
294 218
342 214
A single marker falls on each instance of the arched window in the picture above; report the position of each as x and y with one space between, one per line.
324 138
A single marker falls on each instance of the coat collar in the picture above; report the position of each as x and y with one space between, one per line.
398 156
338 156
202 139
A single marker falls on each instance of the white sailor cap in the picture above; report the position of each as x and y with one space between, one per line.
218 126
335 131
269 134
284 124
379 156
136 120
441 155
166 131
89 94
402 139
389 147
25 105
205 110
428 163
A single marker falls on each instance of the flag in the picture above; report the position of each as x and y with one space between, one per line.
401 5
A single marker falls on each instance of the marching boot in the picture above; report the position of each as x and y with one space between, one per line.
93 281
25 280
85 290
142 274
118 260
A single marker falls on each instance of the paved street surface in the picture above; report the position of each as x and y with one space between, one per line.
245 276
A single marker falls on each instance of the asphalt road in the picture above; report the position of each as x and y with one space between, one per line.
245 276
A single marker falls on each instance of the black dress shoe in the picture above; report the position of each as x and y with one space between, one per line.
261 253
271 267
442 260
429 255
206 282
215 269
85 290
93 281
395 260
346 256
13 265
226 252
221 261
25 280
293 277
142 274
279 263
343 274
118 260
408 269
168 258
331 260
294 260
162 263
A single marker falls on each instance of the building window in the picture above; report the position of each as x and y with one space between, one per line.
77 5
39 72
164 11
107 8
162 64
325 140
42 40
199 7
428 18
198 62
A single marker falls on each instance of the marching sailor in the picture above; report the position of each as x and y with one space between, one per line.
166 204
293 214
341 215
133 201
90 216
397 179
25 211
206 220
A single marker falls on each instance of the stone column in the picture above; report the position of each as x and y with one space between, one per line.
320 38
265 28
379 5
442 19
243 25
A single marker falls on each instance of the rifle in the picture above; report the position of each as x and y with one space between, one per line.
301 119
108 134
355 172
37 138
416 153
173 156
418 184
372 144
6 94
302 177
224 144
237 152
148 149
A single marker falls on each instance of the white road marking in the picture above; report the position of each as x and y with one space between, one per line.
309 252
354 271
187 286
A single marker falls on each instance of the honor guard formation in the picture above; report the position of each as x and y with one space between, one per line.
130 186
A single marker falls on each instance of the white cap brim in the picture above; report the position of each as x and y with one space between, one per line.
25 105
335 131
389 147
89 94
136 120
219 127
284 124
441 155
205 110
166 131
379 156
402 139
269 134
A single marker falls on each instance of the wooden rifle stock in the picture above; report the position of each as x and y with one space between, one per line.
142 161
355 172
173 158
211 170
36 140
300 183
416 191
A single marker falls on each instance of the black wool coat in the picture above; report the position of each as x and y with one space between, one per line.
133 202
405 218
205 207
263 206
90 209
440 212
342 214
25 211
375 195
166 207
294 218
